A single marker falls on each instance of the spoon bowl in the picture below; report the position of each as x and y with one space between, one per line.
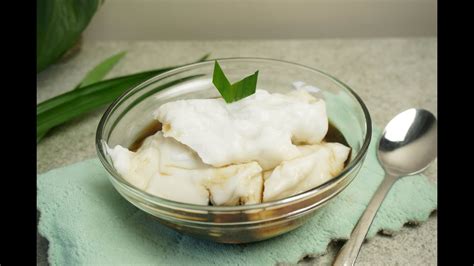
409 143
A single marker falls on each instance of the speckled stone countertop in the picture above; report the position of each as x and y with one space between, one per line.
390 75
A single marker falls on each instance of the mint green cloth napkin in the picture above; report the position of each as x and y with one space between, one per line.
87 222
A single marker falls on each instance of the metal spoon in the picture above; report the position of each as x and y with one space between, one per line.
407 147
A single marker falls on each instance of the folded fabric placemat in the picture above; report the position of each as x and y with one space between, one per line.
87 222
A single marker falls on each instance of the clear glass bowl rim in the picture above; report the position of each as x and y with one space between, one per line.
152 199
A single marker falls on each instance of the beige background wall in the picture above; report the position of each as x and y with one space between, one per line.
261 19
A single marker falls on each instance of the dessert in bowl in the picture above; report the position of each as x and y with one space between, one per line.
241 171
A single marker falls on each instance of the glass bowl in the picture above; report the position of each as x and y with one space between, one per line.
128 115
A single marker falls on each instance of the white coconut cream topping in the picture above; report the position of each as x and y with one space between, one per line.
262 127
264 147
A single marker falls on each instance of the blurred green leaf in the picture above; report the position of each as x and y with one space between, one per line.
101 70
105 87
40 136
204 58
59 24
93 76
82 100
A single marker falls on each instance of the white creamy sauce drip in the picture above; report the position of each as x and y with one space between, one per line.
264 147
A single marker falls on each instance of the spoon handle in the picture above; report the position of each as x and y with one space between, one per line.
349 252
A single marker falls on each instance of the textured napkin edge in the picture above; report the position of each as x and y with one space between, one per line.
332 241
375 230
48 231
391 232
